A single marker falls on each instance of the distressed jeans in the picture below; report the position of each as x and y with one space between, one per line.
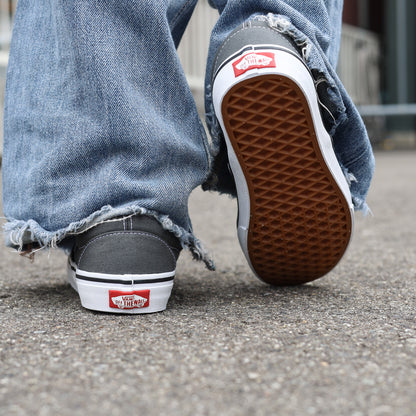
100 121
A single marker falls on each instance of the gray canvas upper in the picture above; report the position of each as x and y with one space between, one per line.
134 245
257 33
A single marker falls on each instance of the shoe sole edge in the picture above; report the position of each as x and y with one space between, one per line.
95 290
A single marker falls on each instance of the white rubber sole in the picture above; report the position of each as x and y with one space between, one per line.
288 67
128 294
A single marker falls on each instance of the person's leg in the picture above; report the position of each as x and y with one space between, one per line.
275 222
103 145
99 120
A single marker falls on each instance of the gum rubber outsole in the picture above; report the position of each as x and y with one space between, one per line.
300 221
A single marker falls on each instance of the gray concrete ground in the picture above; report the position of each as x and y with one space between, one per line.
227 344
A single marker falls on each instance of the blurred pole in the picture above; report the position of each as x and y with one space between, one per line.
401 50
387 110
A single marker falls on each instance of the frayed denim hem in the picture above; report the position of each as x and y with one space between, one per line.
359 203
24 235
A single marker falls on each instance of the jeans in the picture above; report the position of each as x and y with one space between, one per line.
100 121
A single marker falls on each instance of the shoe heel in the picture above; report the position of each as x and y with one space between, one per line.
131 298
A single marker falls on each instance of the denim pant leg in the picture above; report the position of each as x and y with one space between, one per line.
99 119
315 25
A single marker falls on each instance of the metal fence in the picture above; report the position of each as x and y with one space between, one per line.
7 8
359 63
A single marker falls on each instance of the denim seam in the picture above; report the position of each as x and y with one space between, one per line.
180 12
207 149
356 159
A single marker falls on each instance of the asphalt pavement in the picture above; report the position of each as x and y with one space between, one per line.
227 344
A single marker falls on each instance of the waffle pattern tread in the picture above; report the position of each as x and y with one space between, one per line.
300 222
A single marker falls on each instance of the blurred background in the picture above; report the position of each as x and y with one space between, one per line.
377 63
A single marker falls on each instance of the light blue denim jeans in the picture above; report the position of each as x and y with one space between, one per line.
100 121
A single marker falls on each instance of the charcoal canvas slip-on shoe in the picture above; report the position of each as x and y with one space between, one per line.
295 211
124 266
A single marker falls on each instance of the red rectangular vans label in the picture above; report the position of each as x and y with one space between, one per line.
129 300
254 60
